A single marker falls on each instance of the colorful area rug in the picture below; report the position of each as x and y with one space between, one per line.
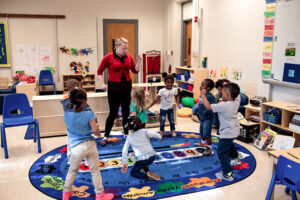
181 165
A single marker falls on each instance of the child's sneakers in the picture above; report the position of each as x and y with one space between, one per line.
105 196
152 176
227 177
235 162
103 142
174 134
66 195
207 152
200 144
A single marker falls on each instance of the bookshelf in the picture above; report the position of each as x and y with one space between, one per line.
88 83
199 75
288 110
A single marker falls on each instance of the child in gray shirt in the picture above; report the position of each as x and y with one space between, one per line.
229 126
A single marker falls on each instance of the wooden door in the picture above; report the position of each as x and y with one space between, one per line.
117 30
188 42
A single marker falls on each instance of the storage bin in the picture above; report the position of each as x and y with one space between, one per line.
178 76
265 116
247 133
274 119
185 86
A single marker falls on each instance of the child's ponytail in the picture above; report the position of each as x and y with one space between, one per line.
168 76
77 96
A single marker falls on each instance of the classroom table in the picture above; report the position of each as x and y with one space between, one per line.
292 154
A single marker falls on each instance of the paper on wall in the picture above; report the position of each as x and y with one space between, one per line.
46 51
35 70
33 49
21 60
21 50
45 60
33 59
223 72
268 46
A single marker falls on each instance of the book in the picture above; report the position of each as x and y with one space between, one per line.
265 138
283 142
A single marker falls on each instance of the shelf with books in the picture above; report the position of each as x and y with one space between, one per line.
288 110
189 79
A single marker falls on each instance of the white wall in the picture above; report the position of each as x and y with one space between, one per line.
230 33
287 30
78 30
172 33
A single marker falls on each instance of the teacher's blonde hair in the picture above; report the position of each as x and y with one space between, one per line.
120 40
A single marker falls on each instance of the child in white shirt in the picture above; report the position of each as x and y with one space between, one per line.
167 96
144 153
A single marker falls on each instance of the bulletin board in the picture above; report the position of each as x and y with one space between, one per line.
4 50
286 36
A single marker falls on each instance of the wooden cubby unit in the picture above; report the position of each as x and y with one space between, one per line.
199 75
87 83
288 110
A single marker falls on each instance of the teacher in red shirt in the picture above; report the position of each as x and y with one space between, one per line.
118 63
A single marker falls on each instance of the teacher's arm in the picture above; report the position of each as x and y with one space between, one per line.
136 67
100 70
101 79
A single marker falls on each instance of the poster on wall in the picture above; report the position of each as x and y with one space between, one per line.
290 49
268 37
4 50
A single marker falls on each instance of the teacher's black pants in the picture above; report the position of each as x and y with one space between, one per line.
115 99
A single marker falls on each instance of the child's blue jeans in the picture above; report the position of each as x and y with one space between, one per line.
206 127
139 165
226 151
170 114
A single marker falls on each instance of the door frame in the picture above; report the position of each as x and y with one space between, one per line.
136 38
183 33
184 22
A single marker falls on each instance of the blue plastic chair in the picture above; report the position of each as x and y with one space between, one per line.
286 173
18 102
46 78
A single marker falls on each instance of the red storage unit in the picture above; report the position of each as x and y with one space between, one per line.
151 63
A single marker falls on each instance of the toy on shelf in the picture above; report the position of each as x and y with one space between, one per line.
79 69
204 62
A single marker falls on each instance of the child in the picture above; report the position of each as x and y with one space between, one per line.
206 117
166 95
219 87
218 96
139 140
71 85
229 126
81 124
138 104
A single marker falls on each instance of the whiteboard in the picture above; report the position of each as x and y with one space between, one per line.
287 30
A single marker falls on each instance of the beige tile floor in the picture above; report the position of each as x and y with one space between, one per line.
15 183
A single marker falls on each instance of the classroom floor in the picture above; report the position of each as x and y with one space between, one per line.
15 183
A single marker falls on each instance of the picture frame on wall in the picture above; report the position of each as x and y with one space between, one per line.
4 49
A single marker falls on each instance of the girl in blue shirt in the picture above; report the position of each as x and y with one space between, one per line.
81 124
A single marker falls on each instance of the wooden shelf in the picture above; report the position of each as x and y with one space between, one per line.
87 83
186 68
185 90
199 75
185 82
288 110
